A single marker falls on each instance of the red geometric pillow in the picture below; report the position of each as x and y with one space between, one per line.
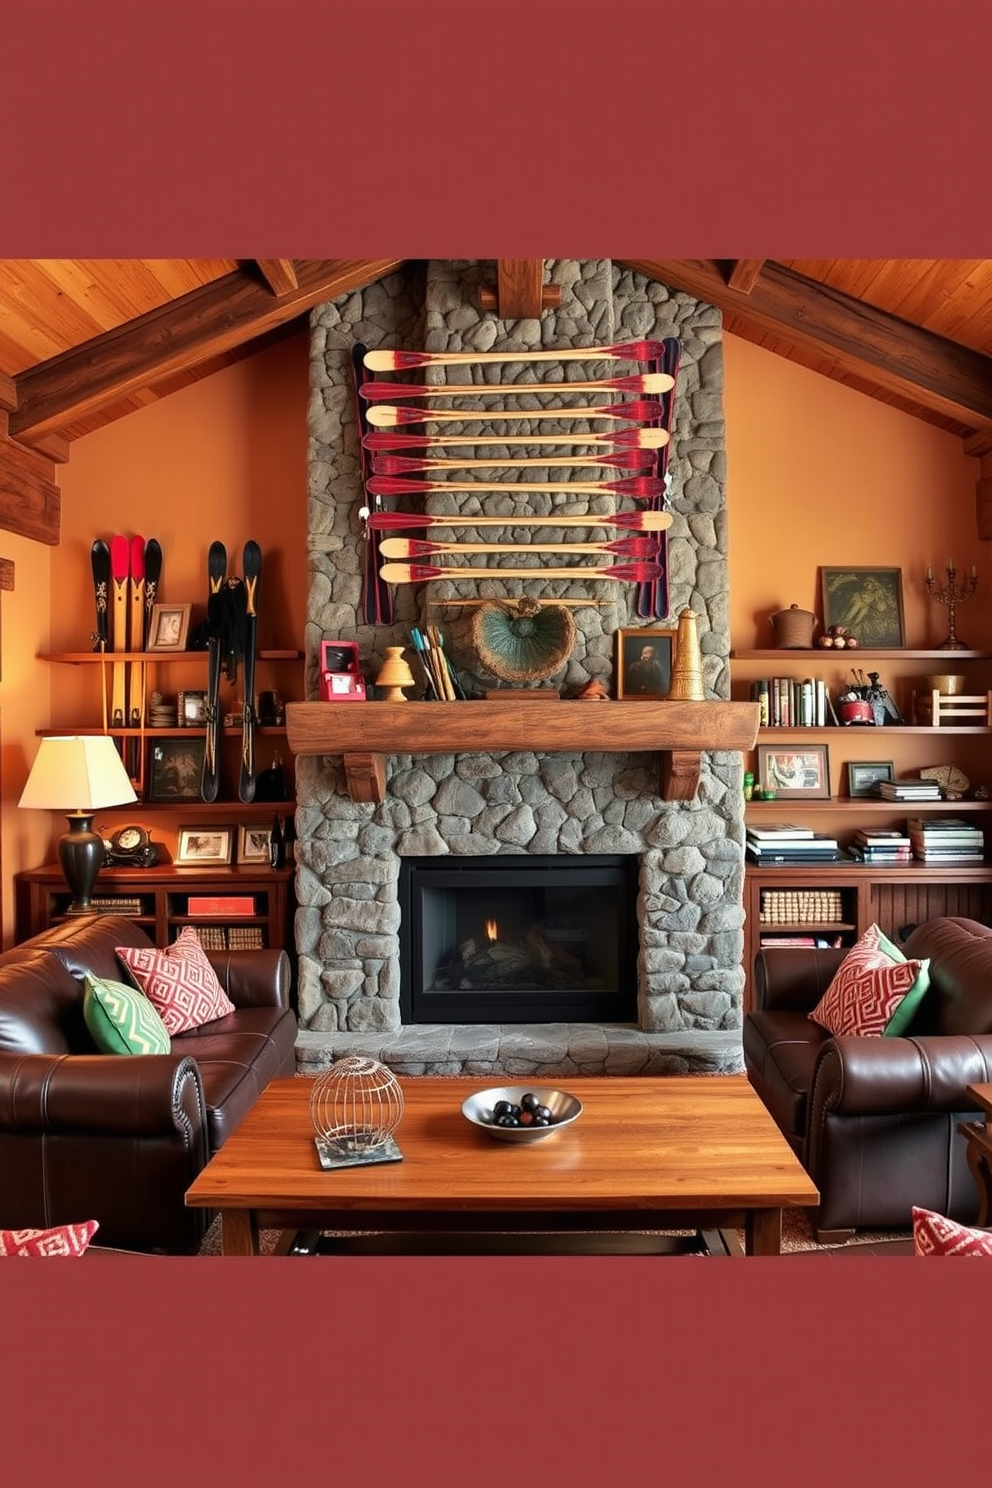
933 1235
63 1240
866 990
180 981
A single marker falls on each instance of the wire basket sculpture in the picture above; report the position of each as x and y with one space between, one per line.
356 1105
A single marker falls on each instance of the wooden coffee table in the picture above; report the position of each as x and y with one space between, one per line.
646 1153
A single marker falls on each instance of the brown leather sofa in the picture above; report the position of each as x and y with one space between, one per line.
874 1120
120 1138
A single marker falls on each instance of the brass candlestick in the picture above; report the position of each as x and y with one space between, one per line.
952 595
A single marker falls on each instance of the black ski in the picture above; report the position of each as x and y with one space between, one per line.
100 564
216 571
153 573
252 565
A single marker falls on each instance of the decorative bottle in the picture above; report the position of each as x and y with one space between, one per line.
277 844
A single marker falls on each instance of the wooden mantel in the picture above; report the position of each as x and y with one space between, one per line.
366 733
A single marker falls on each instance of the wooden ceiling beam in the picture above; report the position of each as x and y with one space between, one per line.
200 325
521 293
937 374
743 273
30 502
279 274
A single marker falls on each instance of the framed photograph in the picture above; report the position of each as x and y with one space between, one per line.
868 601
191 711
168 628
176 769
862 775
253 844
795 774
644 662
203 845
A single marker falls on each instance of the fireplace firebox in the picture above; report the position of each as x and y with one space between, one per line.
518 939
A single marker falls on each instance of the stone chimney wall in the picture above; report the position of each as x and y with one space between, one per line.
690 903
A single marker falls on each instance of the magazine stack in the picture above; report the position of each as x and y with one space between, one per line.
945 840
880 847
785 842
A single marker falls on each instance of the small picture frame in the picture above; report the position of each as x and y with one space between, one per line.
868 602
204 845
644 662
191 710
253 844
176 772
168 627
795 774
864 775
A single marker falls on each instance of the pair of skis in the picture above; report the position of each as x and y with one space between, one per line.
232 615
126 573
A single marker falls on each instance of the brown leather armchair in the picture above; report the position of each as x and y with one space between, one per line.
120 1138
874 1120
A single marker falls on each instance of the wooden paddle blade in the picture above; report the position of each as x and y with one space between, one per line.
389 392
641 411
635 459
615 439
422 573
648 521
642 487
402 361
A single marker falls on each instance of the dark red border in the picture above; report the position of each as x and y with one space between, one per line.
716 128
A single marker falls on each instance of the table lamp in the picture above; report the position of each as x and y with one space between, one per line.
78 775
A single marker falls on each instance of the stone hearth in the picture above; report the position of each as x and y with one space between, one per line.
690 853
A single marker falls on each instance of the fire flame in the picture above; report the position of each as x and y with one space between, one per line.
492 930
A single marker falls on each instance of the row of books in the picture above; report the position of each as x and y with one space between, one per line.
788 702
938 840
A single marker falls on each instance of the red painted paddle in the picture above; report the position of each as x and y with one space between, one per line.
647 521
641 487
641 411
414 547
615 439
621 351
387 392
423 573
637 459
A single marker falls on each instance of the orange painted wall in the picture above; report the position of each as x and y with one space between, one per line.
222 459
818 474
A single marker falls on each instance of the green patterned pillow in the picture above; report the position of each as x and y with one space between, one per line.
122 1020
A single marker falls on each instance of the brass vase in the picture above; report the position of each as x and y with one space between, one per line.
687 665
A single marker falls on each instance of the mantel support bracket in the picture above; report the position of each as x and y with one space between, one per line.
520 293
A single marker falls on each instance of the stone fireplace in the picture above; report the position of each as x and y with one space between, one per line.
684 856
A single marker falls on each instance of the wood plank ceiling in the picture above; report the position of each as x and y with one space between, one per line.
83 342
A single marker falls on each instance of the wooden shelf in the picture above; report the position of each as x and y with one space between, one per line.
827 653
864 803
365 734
778 730
84 658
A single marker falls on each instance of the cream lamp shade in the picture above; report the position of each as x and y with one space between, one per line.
79 775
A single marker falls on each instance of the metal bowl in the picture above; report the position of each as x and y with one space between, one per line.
478 1109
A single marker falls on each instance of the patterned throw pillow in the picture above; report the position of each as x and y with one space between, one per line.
870 990
62 1240
121 1019
180 981
933 1235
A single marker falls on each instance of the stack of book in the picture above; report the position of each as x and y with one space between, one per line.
908 790
948 839
785 842
873 845
788 702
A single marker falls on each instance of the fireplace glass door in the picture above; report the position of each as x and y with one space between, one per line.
518 939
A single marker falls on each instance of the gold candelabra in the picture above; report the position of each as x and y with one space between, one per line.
952 594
